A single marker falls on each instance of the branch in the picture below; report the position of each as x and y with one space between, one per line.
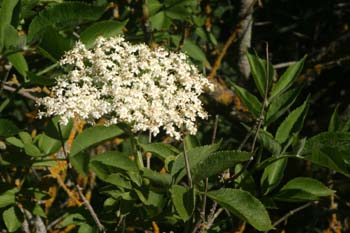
91 210
228 43
292 212
22 92
246 36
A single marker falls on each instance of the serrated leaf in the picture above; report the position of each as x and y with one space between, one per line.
115 159
162 150
8 197
303 189
243 205
7 128
11 219
159 179
248 99
286 127
287 78
217 162
280 105
195 155
273 175
259 73
183 200
60 16
331 150
105 28
53 45
92 136
268 142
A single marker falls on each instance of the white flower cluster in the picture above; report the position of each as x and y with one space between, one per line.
147 89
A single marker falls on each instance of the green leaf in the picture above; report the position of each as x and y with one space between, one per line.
243 205
64 15
25 137
118 180
92 136
273 175
302 189
54 129
81 162
40 80
48 145
32 150
191 141
183 200
162 150
13 41
86 228
248 99
217 162
191 49
11 218
8 197
160 21
195 155
287 78
331 150
54 44
6 12
259 73
335 122
105 28
72 218
15 142
280 105
7 128
153 6
268 142
19 62
115 159
286 127
159 179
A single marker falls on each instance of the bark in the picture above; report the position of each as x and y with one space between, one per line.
245 36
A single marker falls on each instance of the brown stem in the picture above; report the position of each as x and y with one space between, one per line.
91 210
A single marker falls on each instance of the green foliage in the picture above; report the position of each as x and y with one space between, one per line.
138 185
302 189
243 205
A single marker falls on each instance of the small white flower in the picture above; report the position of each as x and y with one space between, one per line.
147 89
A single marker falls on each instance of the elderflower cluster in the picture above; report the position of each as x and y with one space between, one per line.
146 88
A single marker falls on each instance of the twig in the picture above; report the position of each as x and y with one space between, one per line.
228 43
204 204
91 210
22 92
292 212
211 221
47 69
259 120
284 64
149 154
